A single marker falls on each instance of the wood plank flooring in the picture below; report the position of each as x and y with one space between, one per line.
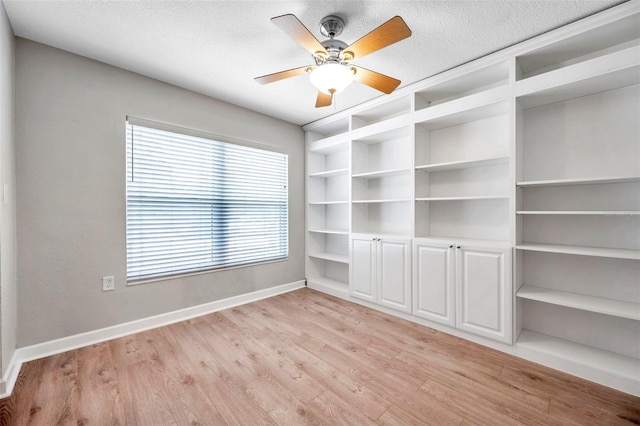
303 358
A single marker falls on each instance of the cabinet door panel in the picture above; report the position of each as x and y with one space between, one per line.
395 274
363 262
483 284
434 296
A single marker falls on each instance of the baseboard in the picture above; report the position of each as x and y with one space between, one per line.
41 350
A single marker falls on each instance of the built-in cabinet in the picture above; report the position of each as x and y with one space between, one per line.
381 270
464 285
499 200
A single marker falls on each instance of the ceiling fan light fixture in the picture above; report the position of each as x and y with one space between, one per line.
331 78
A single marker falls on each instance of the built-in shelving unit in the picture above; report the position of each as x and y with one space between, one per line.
328 207
578 203
381 169
514 180
462 152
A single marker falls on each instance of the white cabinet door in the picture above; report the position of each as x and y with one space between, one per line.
434 282
394 273
363 251
483 287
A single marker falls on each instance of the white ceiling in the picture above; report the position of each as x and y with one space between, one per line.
217 47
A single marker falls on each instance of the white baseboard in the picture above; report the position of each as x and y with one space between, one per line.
41 350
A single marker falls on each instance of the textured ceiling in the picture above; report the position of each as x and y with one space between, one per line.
217 47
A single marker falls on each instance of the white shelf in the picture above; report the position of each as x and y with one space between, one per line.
330 173
465 241
325 203
581 301
581 212
389 200
382 173
470 108
331 144
578 181
329 285
479 197
331 256
389 129
572 353
582 251
607 72
330 231
466 164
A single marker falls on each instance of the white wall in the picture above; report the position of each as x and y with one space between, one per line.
7 186
70 159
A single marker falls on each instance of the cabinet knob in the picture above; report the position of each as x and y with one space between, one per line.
379 239
457 246
451 246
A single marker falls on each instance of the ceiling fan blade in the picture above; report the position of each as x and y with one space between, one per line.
378 81
270 78
297 31
392 31
323 99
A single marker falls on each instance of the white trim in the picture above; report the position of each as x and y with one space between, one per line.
53 347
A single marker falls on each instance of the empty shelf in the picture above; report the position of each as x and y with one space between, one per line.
581 250
331 256
584 302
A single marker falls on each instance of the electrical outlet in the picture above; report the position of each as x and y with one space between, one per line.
108 283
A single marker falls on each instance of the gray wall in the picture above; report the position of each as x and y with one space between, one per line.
7 185
70 159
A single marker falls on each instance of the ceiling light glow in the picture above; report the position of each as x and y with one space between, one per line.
331 78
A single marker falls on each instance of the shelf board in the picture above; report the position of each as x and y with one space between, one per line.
382 173
330 173
479 197
325 203
328 284
331 256
330 231
392 128
578 181
575 353
331 144
465 164
581 251
581 301
464 241
581 212
389 200
470 108
607 72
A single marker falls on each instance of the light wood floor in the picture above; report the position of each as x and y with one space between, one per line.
302 358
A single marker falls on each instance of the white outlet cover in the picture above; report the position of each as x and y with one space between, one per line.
108 283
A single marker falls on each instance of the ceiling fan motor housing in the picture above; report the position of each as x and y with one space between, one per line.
331 26
333 48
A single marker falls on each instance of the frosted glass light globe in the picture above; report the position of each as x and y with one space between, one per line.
331 78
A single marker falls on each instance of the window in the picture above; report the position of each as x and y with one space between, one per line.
196 204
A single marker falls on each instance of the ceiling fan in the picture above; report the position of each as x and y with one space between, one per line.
333 70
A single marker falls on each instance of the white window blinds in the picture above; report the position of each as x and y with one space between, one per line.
196 204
